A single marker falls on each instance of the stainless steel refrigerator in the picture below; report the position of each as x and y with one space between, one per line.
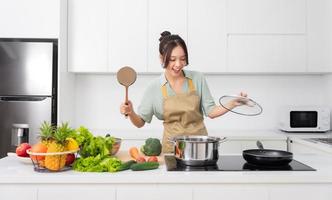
28 87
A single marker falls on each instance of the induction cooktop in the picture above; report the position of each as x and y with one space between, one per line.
234 163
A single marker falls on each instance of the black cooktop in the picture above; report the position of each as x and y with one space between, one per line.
234 163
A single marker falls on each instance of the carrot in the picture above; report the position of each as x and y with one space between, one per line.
134 153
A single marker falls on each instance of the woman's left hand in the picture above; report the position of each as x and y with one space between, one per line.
241 100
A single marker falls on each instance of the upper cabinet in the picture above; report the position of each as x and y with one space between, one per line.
266 36
207 36
223 36
127 34
170 16
30 19
105 35
319 35
266 16
87 35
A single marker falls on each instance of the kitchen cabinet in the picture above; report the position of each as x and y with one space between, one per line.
170 16
87 35
230 192
30 19
207 35
319 35
127 38
266 17
17 192
305 192
152 192
83 192
267 53
104 36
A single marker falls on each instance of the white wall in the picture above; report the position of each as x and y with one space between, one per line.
98 98
328 92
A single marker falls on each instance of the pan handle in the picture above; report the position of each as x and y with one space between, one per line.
259 144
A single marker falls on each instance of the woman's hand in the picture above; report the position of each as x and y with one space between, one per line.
126 109
241 100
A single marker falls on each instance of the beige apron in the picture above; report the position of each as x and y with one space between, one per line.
182 116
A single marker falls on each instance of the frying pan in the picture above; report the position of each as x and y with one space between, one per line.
269 157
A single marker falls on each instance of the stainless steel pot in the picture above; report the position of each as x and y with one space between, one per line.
197 150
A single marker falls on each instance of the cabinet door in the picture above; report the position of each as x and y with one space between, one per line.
303 192
170 16
261 16
319 35
207 35
153 192
87 35
128 34
230 192
76 192
267 53
13 192
30 19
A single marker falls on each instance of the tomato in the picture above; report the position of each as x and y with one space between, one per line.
70 159
38 148
153 159
140 160
21 150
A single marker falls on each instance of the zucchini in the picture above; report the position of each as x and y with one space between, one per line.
126 165
144 166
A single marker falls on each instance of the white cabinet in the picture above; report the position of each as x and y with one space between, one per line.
87 35
267 53
153 192
82 192
305 192
319 35
30 19
17 192
127 39
207 35
170 16
104 36
230 192
263 17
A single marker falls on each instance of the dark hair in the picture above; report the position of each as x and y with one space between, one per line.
167 43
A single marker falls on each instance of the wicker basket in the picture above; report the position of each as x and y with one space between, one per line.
38 160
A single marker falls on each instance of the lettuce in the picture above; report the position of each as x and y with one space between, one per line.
97 164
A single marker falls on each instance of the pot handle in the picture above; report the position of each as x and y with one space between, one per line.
224 139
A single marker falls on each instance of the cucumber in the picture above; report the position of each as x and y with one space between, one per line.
144 166
126 165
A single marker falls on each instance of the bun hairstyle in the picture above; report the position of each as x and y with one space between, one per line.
167 43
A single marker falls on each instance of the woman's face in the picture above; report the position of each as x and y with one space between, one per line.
177 62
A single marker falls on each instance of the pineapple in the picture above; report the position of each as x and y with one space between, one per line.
58 144
46 133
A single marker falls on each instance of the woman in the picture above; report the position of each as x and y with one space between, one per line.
178 97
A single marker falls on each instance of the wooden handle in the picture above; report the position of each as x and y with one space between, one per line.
126 99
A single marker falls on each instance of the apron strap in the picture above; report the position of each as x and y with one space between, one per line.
164 91
190 86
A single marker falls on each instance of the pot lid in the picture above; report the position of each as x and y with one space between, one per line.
246 106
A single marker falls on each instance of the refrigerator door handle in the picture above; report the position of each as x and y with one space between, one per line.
9 99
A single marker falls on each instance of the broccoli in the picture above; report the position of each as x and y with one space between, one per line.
152 147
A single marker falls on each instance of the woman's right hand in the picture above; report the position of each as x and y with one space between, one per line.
126 109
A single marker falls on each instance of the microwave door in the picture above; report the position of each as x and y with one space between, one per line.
22 110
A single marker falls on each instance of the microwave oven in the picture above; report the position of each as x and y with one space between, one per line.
304 119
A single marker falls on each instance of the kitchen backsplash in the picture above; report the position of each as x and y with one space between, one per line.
98 97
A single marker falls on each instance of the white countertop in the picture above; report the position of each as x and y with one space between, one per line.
13 171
